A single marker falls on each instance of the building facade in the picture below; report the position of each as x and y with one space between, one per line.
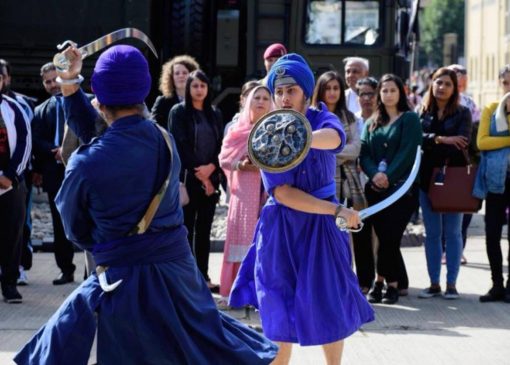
487 46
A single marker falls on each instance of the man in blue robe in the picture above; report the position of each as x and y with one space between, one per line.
162 312
298 271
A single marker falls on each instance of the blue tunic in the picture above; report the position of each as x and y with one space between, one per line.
163 312
298 270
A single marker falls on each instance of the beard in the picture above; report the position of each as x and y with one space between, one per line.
6 89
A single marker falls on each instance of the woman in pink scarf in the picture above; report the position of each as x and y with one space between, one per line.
245 188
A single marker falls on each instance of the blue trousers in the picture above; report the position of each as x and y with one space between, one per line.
435 225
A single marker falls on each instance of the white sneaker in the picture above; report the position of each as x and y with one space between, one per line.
23 278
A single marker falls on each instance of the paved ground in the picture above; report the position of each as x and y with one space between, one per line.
416 331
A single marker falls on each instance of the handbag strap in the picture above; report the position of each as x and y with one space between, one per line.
147 218
466 158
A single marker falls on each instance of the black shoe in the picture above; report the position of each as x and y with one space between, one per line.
63 279
496 294
391 295
506 299
11 294
214 288
375 295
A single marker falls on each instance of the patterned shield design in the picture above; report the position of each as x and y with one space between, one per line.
279 140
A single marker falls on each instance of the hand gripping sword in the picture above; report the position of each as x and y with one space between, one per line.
62 63
365 213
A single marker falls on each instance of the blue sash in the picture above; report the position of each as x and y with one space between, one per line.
325 192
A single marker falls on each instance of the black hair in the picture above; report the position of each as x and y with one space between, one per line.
188 102
368 81
319 94
381 117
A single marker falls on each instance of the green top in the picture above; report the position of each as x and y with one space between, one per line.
396 143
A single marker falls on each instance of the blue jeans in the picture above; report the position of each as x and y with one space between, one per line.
435 223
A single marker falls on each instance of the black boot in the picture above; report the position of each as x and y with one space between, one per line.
375 295
11 294
63 279
506 299
495 294
391 295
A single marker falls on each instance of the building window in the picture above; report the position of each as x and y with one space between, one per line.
339 22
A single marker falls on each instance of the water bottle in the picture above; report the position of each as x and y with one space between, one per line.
383 165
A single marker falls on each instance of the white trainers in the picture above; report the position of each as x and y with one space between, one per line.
23 278
430 292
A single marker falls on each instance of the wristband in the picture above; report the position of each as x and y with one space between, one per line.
338 209
75 81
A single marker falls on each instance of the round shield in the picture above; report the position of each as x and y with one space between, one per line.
279 140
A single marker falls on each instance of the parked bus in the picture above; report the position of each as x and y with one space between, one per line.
227 37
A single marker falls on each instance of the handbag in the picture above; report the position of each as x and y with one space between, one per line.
183 191
451 188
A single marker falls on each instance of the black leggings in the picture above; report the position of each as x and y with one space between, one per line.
198 218
12 218
64 249
389 225
364 255
495 217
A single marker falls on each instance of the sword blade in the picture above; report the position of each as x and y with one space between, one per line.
365 213
113 37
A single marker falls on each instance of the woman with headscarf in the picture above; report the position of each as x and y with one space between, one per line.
298 270
246 192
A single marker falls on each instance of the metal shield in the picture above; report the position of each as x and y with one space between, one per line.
279 140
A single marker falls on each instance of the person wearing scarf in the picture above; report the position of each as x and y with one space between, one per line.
162 312
246 191
298 270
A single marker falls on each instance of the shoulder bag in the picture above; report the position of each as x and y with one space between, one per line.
451 188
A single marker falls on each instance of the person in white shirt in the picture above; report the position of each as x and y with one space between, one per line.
355 68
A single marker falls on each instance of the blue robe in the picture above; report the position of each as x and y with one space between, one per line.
298 271
162 312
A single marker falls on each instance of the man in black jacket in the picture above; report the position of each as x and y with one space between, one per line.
28 105
15 147
48 132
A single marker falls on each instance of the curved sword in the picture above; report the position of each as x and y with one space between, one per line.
62 63
365 213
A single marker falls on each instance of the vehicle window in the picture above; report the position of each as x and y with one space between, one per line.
338 22
324 22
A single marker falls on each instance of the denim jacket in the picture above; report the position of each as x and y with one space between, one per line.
493 167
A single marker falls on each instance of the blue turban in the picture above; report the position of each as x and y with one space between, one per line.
121 77
294 69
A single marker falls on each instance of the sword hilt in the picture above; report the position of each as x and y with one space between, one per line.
60 61
341 223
